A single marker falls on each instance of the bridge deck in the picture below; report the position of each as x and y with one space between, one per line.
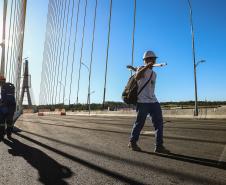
93 150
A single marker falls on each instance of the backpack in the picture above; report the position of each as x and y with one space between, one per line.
8 94
130 94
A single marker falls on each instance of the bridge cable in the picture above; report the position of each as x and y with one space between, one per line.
12 42
91 55
56 53
16 44
108 44
50 50
49 32
51 44
53 52
81 52
133 34
42 83
9 34
20 50
64 49
46 58
73 59
62 20
68 51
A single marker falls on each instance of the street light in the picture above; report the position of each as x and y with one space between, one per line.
85 66
196 102
201 61
194 62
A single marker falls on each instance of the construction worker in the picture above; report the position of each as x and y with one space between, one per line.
7 108
147 104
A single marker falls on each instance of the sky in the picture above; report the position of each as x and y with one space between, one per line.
162 26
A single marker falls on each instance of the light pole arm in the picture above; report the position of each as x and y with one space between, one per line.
201 61
85 66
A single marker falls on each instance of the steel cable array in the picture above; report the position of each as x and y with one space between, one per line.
74 47
59 54
81 51
91 54
108 44
62 19
15 26
68 51
43 73
64 48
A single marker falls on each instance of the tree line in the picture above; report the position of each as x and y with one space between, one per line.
113 106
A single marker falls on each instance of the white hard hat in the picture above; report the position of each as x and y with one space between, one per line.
149 54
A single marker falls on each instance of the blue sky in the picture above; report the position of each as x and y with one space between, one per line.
162 26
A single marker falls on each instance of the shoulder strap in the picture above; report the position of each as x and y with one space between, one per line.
145 84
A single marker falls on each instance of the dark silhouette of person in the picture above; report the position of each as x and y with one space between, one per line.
7 108
50 171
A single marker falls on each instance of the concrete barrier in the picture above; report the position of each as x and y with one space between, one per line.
40 114
63 113
204 113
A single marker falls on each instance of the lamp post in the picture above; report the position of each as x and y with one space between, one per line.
196 94
194 59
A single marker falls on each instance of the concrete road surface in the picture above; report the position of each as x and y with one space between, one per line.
93 150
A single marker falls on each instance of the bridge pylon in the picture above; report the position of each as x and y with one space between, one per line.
26 85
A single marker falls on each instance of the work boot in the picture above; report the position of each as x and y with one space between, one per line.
134 146
161 149
1 137
9 136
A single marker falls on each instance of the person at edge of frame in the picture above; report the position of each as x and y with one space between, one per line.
147 104
7 109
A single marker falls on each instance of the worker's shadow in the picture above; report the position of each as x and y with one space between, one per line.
190 159
50 171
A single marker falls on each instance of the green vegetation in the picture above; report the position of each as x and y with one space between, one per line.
120 105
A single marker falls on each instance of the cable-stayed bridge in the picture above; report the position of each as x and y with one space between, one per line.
86 149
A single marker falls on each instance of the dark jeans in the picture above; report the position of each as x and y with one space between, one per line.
154 110
6 117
